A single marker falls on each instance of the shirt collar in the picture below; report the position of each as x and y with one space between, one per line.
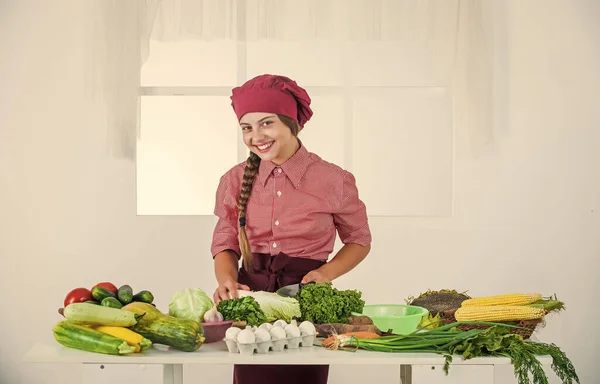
294 168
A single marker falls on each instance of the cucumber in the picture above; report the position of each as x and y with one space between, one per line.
144 297
92 314
88 339
92 302
125 294
100 294
111 302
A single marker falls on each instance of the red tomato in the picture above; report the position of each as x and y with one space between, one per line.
78 295
108 286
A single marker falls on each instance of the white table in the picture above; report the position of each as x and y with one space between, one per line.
161 366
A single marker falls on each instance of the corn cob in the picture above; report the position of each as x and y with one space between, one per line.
508 299
498 313
132 338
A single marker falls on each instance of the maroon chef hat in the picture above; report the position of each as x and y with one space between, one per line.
272 94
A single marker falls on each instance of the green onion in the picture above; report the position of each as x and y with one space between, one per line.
495 340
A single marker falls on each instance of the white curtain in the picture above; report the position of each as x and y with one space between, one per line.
122 30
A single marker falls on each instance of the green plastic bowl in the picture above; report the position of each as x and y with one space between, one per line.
401 319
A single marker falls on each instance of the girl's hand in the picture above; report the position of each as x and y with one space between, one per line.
228 290
316 276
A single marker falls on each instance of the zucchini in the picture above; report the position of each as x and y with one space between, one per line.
88 339
144 297
125 294
100 294
111 302
92 314
182 334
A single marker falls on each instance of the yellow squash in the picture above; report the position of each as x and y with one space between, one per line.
132 338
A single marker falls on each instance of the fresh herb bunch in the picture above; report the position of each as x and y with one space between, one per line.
498 341
242 309
320 303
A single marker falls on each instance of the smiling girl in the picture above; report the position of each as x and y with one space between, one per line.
280 211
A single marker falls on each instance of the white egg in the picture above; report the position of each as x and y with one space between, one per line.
262 335
307 328
246 337
232 333
266 326
292 330
277 333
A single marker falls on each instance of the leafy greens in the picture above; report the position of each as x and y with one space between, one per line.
242 309
320 303
191 304
274 306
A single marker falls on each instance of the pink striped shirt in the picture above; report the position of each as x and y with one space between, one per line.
294 208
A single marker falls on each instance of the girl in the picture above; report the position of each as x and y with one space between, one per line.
280 211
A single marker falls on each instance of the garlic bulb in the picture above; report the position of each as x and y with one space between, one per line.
212 315
280 323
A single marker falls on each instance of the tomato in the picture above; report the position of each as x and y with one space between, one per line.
78 295
108 286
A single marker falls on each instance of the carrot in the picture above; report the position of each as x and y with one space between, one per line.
325 330
362 335
335 341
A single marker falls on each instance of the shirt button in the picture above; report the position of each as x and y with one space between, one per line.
274 245
278 193
277 222
279 170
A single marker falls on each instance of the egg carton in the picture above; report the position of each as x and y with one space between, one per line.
296 337
270 345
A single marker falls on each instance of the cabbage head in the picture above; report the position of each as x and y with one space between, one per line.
191 304
274 306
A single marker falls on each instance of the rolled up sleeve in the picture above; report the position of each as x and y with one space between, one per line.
225 234
351 215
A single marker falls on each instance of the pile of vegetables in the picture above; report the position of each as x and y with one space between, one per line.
107 294
449 340
120 331
111 320
318 303
99 329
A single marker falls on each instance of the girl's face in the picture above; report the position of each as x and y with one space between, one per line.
267 136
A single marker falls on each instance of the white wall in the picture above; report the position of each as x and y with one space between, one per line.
527 209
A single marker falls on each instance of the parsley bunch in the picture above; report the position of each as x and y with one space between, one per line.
242 309
320 303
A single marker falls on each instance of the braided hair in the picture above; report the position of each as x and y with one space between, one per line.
250 172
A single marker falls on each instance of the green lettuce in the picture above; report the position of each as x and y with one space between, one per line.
275 307
320 303
242 309
191 304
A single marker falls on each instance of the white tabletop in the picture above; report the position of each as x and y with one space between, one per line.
217 353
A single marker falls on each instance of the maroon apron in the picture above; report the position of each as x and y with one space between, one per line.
269 274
